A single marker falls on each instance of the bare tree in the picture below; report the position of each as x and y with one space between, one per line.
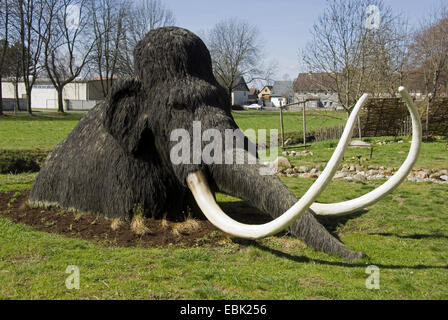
142 17
29 14
236 51
349 39
430 49
67 42
4 36
109 31
388 58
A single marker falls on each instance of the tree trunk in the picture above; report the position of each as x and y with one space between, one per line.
60 100
1 97
229 90
28 101
427 116
16 96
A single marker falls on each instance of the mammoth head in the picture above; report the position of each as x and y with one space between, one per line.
171 53
174 88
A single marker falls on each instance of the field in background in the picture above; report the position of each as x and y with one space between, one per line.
405 235
292 121
42 131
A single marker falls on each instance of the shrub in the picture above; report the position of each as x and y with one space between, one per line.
18 161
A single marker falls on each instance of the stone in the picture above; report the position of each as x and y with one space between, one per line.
285 153
359 143
352 168
422 174
293 153
435 175
444 178
359 177
340 175
303 169
282 162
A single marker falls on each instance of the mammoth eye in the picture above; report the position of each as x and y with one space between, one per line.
178 106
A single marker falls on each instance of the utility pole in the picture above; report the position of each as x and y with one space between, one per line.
281 124
304 124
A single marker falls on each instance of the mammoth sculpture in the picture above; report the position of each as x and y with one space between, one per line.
119 153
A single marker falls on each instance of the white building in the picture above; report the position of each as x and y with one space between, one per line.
277 100
78 95
240 93
282 92
320 88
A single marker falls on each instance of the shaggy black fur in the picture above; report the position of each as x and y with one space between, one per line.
118 156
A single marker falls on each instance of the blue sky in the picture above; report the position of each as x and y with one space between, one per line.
283 24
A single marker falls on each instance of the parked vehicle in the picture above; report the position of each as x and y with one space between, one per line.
253 107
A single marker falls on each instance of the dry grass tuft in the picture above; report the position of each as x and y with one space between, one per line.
116 224
187 227
26 205
138 222
164 223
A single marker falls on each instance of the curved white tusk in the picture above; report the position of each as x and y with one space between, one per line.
198 185
346 207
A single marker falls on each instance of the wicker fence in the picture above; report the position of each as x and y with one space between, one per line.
390 117
438 118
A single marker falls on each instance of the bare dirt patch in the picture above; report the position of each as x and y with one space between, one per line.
104 231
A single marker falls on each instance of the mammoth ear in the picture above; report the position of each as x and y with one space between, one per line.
123 117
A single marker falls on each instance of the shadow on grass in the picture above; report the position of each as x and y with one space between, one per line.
43 116
303 259
243 212
412 236
254 216
331 224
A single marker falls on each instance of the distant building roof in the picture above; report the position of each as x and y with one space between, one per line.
253 91
311 82
241 85
269 87
281 88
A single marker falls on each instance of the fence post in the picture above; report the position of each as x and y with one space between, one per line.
281 124
304 124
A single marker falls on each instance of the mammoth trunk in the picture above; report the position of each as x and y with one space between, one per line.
270 195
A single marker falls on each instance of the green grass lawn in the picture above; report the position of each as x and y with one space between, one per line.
41 131
405 235
433 155
292 121
45 130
